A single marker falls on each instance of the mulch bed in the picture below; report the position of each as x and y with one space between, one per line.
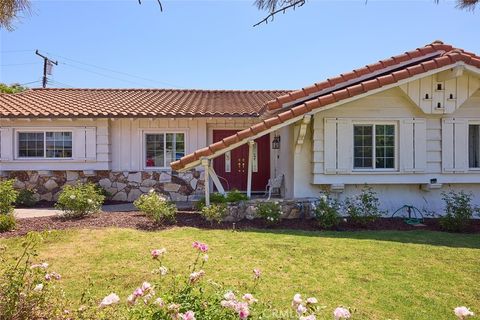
137 220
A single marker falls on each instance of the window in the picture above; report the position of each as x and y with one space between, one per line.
474 146
374 146
163 148
45 144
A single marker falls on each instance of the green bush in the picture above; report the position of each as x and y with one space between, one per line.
458 211
270 211
232 196
327 211
8 195
214 213
156 207
7 222
363 208
236 196
79 200
26 198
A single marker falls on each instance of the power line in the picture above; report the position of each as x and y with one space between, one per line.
60 83
13 51
101 74
22 84
114 71
18 64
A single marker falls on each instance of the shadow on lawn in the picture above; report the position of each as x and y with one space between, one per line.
432 238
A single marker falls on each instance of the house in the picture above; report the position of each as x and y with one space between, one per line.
409 126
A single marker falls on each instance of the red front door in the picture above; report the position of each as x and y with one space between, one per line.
233 172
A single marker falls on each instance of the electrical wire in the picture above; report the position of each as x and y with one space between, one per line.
55 82
111 70
22 84
18 64
13 51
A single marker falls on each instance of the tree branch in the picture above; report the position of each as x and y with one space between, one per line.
294 4
159 3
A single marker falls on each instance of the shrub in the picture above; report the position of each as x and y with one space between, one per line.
156 207
363 208
214 198
7 222
80 200
101 190
236 196
270 211
458 211
8 195
327 211
27 290
216 212
26 198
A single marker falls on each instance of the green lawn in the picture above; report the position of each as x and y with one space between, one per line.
384 275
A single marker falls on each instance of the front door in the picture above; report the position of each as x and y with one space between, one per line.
232 167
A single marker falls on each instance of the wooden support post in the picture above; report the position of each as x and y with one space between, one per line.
250 168
205 164
216 181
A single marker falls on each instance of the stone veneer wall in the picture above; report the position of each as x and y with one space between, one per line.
122 186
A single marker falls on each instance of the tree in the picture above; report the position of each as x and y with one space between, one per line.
13 88
10 10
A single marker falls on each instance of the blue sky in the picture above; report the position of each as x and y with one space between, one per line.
212 44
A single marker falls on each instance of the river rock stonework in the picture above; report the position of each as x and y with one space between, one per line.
121 186
291 209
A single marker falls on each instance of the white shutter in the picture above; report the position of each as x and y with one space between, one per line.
90 144
338 146
79 143
454 145
6 144
420 145
330 146
407 163
413 144
344 146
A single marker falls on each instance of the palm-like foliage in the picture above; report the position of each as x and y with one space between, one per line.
10 10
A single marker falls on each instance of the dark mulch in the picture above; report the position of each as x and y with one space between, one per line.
42 204
139 221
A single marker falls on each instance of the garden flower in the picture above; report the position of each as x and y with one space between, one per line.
146 286
38 287
249 298
257 273
341 313
301 309
43 265
310 317
242 309
158 253
131 299
163 270
228 304
205 257
312 300
111 299
229 295
195 276
159 302
297 299
202 247
72 197
189 315
138 292
463 312
89 201
53 275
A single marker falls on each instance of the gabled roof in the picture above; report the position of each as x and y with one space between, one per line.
134 103
293 105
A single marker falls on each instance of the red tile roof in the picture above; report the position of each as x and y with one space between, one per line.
370 77
134 103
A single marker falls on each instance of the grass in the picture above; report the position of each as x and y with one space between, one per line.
384 275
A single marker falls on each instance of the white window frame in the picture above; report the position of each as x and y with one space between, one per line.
471 122
395 141
17 132
161 131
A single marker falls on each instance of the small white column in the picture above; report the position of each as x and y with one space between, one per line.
205 164
250 168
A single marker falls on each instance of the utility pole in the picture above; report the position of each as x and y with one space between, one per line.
47 67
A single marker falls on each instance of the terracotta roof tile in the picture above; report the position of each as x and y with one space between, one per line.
386 72
135 103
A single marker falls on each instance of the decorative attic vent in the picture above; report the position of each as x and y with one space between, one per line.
427 96
439 105
439 87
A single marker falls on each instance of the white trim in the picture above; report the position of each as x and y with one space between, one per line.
18 130
164 131
331 106
373 123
